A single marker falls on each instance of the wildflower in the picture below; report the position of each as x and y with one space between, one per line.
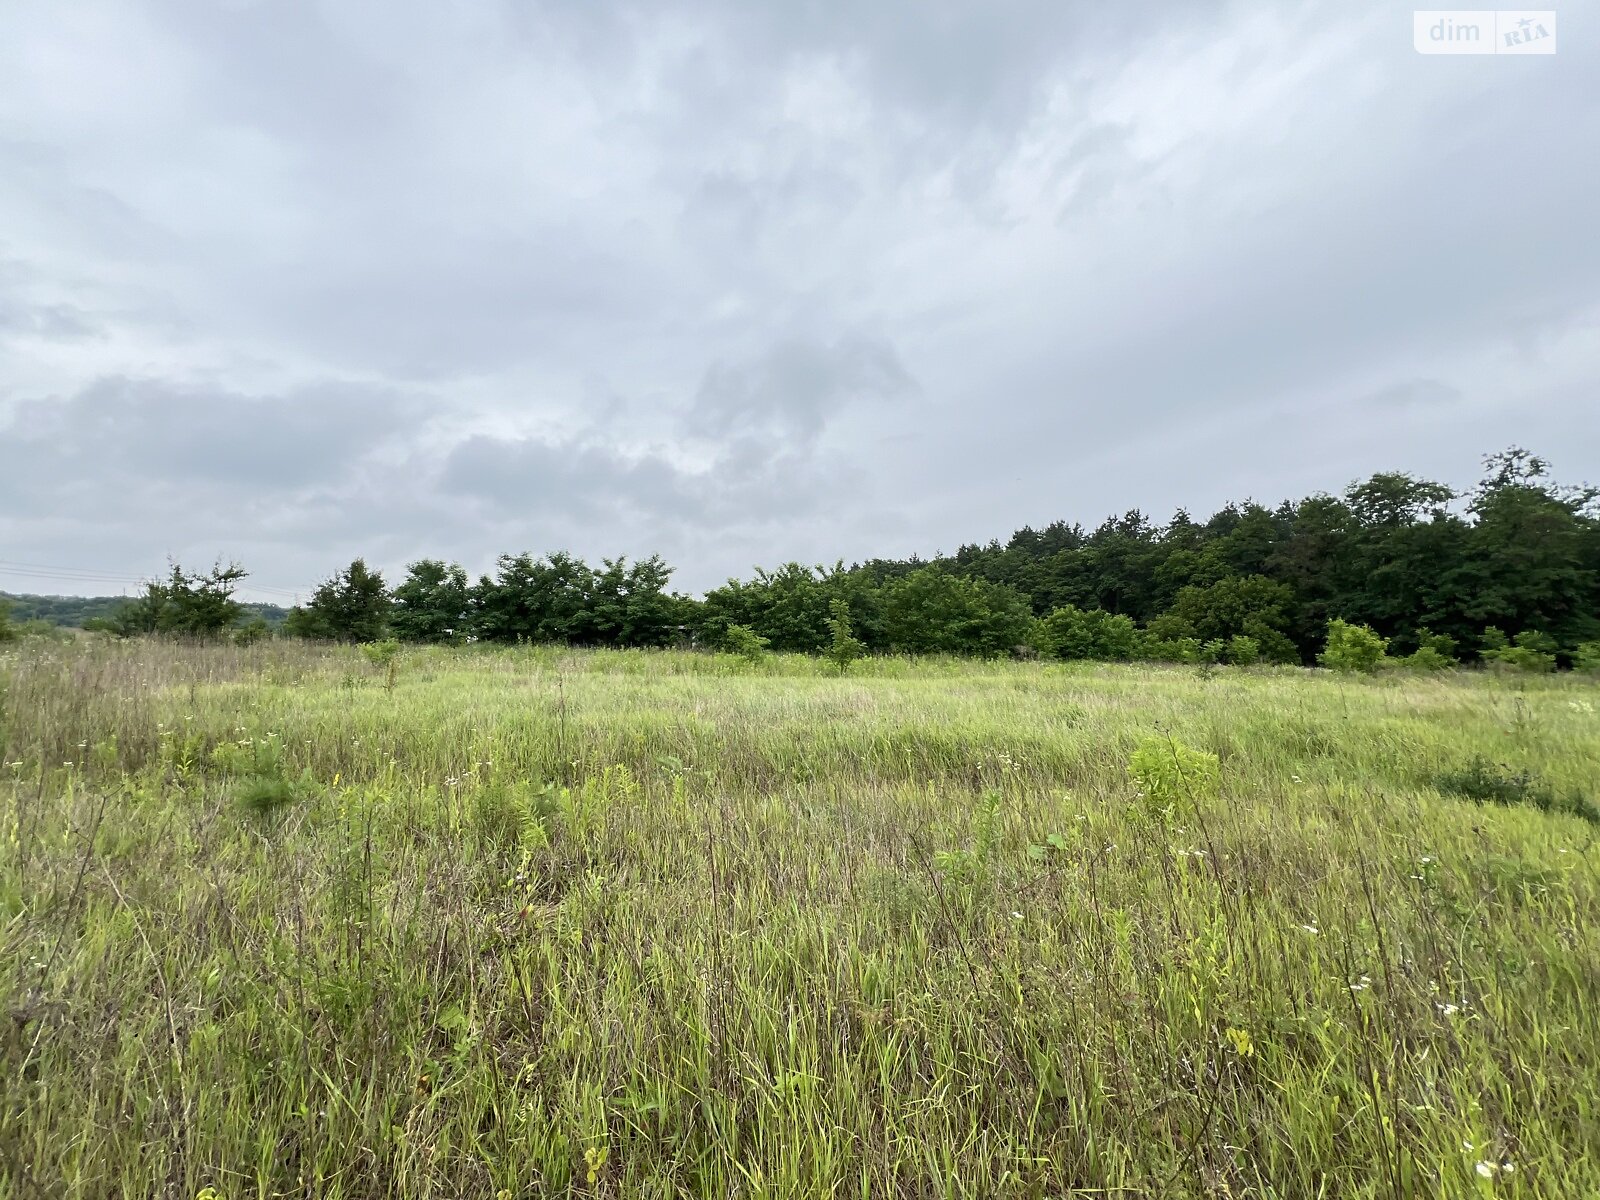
1242 1045
1426 859
1486 1169
1016 914
1310 929
1448 1010
1296 778
1468 1146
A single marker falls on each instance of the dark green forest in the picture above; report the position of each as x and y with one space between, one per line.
1508 571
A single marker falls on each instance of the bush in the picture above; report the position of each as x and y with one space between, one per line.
1586 657
384 655
1242 650
933 612
1485 782
1352 648
843 648
746 643
1530 651
265 795
1426 658
252 631
1171 775
1434 652
1075 633
1149 647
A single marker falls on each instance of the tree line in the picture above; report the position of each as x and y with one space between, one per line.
68 612
1507 572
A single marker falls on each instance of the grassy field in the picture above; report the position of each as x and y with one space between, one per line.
535 923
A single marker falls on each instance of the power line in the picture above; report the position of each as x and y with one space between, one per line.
88 575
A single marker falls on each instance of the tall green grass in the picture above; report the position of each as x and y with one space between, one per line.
544 922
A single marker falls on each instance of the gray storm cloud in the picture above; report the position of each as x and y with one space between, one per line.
742 283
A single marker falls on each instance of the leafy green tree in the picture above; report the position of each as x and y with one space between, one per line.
844 647
183 604
535 600
1587 657
1071 632
1252 606
1352 647
353 606
629 605
1534 557
560 598
931 611
432 604
791 606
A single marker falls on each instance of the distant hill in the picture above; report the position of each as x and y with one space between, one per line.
73 611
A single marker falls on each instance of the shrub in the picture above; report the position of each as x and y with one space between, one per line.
1434 652
1425 658
931 611
252 631
1586 657
1149 648
844 648
1242 650
265 795
1352 648
746 643
384 655
1485 782
1171 775
1530 650
1075 633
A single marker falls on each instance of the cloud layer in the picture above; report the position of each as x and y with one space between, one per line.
742 283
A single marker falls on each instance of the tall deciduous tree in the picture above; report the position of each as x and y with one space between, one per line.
432 604
353 606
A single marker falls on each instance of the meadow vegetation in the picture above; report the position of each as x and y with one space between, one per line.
288 919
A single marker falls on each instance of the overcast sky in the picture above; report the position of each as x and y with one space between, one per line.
741 282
